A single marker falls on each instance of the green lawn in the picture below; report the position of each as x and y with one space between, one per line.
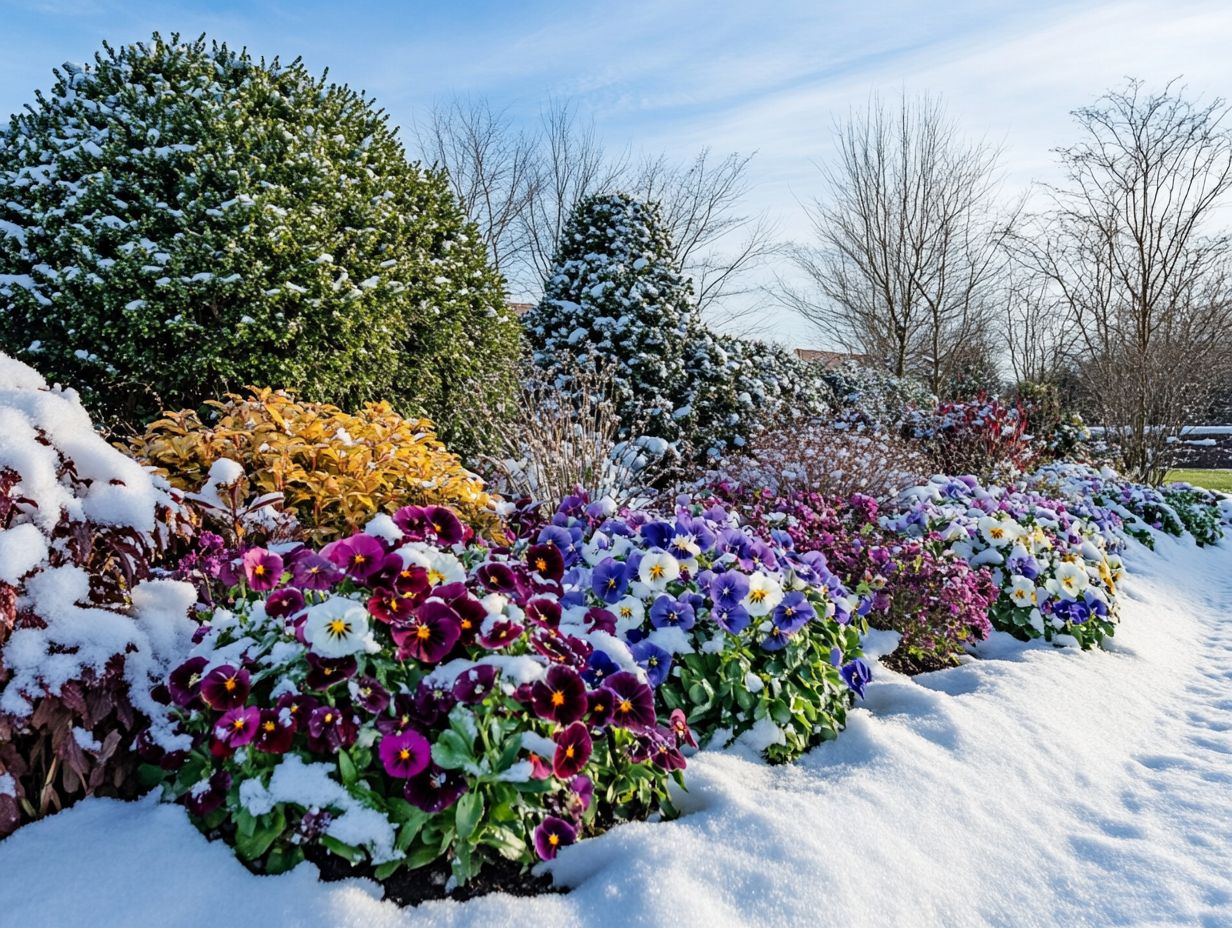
1211 479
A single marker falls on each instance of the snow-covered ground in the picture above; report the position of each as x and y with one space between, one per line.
1032 787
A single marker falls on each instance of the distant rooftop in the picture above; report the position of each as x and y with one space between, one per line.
832 359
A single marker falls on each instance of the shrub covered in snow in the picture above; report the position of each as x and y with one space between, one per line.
83 632
878 398
331 470
933 598
405 698
748 638
178 218
1056 570
616 297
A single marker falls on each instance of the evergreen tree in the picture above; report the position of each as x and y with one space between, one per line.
617 299
178 219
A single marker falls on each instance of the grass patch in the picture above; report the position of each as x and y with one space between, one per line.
1211 479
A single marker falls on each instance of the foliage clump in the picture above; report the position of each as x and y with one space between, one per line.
334 470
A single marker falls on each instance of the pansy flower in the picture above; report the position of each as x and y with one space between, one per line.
497 632
573 749
370 695
392 607
225 687
474 684
560 696
296 707
856 675
284 603
793 612
208 795
600 706
337 627
331 728
657 569
598 668
728 589
443 525
633 701
733 620
310 571
405 754
681 730
546 561
434 789
413 521
360 556
429 634
670 612
238 726
275 729
609 580
652 659
262 569
551 835
764 594
184 683
497 577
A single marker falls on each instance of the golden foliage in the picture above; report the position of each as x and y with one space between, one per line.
334 470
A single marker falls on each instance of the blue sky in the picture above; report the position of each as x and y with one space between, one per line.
660 76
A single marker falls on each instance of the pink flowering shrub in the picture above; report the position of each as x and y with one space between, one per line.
83 632
935 600
832 457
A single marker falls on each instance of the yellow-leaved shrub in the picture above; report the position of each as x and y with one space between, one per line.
334 470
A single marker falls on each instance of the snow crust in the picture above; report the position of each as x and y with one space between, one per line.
1033 786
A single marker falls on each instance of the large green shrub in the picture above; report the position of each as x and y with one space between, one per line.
178 219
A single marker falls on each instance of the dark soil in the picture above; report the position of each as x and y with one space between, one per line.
411 887
901 663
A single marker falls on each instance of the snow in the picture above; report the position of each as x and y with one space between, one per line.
1034 786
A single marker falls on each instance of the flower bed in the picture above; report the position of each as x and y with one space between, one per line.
1056 569
400 699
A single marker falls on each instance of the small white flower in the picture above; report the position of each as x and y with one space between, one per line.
337 628
630 612
1022 592
764 594
1070 581
999 532
658 569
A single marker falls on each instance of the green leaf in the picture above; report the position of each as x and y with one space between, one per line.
345 851
451 751
469 814
346 768
386 870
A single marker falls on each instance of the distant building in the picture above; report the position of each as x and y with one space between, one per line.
520 309
832 359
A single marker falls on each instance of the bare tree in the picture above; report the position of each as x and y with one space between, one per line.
909 237
1127 247
1036 329
572 165
520 187
492 169
715 244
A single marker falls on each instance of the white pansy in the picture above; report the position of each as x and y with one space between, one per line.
764 594
629 612
657 569
1022 592
337 627
999 532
